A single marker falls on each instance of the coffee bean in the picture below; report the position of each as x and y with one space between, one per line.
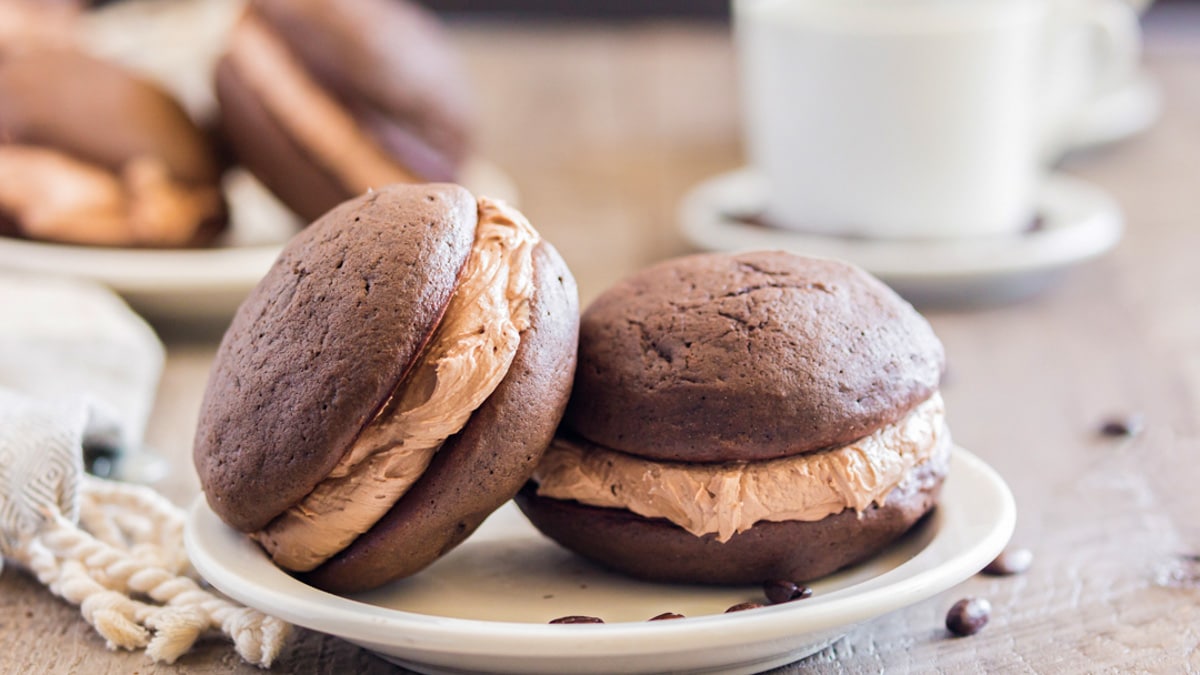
1179 571
785 591
577 619
666 616
1126 425
743 606
1011 561
968 616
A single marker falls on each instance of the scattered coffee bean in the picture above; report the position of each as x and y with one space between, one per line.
1011 561
577 619
968 616
1179 571
1126 425
785 591
666 616
743 606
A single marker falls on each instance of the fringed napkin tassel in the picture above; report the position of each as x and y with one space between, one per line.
126 568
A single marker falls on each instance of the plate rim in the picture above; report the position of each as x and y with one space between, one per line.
130 269
171 271
702 219
422 634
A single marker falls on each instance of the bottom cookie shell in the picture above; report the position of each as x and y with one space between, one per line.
657 550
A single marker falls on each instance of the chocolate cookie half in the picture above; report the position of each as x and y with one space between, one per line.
737 419
393 379
90 154
324 99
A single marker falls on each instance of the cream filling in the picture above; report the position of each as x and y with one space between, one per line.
54 197
725 499
302 106
468 356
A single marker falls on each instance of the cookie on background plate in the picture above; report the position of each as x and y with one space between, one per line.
92 154
393 380
324 99
744 418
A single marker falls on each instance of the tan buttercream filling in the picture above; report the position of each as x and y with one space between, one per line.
54 197
729 498
303 107
468 356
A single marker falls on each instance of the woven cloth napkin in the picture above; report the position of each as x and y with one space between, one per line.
78 367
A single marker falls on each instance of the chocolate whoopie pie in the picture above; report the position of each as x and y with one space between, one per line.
392 380
91 154
743 418
324 99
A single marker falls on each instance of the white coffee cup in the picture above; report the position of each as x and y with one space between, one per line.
896 118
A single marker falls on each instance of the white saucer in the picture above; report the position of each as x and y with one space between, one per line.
1079 221
485 606
205 284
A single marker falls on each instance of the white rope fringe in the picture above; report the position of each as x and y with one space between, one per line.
125 566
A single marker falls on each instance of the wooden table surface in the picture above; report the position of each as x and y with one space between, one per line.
605 127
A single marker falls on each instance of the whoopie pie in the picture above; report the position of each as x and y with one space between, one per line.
392 380
745 418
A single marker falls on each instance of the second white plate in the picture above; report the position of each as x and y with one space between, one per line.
485 606
1079 222
203 284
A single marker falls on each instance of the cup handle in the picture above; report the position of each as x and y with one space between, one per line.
1116 39
1114 23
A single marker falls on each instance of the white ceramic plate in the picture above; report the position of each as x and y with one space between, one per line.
485 606
204 284
1079 222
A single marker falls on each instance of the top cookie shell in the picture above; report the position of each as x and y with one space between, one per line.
322 342
717 357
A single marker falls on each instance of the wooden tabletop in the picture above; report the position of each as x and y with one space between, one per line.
606 126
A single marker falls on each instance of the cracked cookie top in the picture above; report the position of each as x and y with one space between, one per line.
716 358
